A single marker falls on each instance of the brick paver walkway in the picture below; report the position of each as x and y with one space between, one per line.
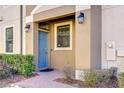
44 80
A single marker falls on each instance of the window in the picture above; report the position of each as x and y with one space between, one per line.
63 36
9 39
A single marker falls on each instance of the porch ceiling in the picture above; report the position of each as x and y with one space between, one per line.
54 13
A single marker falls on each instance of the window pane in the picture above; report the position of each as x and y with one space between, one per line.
9 39
63 36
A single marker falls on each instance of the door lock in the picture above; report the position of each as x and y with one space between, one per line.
51 49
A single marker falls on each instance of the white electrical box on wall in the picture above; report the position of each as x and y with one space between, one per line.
110 51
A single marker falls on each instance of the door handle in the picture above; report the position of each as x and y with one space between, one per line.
51 49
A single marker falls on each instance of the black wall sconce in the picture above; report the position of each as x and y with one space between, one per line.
81 18
27 27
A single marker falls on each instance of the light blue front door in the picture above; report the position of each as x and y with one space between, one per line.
43 50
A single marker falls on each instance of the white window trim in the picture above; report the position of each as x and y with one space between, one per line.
55 36
5 38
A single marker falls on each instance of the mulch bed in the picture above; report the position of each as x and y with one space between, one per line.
81 84
72 82
14 79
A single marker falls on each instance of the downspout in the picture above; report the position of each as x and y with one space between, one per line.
21 28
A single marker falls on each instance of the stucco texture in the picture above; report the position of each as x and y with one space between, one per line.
83 42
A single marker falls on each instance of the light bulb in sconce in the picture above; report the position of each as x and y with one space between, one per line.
27 27
81 18
110 45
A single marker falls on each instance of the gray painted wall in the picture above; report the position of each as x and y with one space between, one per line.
113 30
95 37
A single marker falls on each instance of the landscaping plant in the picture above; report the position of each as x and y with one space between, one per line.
101 78
69 72
90 78
121 80
5 70
23 64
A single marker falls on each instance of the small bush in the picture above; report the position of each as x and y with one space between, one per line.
5 70
90 78
101 78
121 80
106 78
69 73
23 64
104 75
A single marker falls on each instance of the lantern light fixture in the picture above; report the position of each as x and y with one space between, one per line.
27 27
81 18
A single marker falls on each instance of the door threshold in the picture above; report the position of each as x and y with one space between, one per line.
46 70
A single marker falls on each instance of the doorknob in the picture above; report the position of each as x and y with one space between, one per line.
51 49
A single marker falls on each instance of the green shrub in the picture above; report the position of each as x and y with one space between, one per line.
90 78
98 78
103 75
5 70
121 80
23 64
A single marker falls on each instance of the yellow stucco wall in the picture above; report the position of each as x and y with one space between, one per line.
29 40
16 36
11 19
83 42
62 58
1 41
